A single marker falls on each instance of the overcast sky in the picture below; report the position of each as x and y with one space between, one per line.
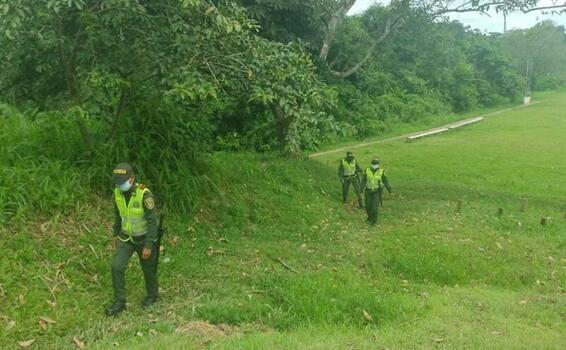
485 23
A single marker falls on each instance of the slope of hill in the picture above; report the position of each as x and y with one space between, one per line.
273 260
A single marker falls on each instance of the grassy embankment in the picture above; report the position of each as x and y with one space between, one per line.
428 277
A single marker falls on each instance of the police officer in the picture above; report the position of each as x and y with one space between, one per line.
373 181
348 172
135 230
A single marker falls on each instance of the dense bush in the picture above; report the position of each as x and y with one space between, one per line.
537 53
426 68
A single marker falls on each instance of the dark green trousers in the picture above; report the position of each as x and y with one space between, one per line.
355 182
372 205
124 251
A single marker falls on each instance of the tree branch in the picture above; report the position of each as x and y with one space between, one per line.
469 7
542 8
334 61
460 11
369 53
481 7
335 18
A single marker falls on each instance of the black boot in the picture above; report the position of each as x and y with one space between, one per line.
148 301
115 308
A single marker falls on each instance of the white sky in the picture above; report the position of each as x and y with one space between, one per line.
485 23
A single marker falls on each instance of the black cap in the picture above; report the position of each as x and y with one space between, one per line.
349 154
122 173
375 161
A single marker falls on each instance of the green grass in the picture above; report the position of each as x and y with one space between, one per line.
429 277
429 122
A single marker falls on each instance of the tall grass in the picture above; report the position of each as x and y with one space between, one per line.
35 177
47 169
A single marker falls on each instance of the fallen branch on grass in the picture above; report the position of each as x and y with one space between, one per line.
283 264
211 251
409 321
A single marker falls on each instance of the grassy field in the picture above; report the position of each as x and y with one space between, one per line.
273 260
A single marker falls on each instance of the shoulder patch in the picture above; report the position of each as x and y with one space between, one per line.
149 203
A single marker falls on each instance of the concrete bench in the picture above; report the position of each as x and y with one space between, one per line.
444 129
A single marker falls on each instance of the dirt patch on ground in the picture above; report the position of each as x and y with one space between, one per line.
202 329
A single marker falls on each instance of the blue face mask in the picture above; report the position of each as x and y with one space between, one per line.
375 166
125 187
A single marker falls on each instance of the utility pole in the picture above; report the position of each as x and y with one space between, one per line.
504 16
527 80
527 97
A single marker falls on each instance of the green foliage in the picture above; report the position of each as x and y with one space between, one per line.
496 77
287 20
158 84
162 83
543 48
37 177
202 69
120 59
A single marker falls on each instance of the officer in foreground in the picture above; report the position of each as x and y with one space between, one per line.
374 180
135 230
349 173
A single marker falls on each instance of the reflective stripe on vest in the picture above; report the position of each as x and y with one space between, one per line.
349 168
373 179
133 222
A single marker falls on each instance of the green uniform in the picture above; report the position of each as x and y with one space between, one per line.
349 174
373 181
136 228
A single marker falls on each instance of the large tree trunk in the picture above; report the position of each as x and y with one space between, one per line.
118 113
281 125
337 16
73 88
330 31
68 59
74 92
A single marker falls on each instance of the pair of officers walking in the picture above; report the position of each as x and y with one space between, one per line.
371 182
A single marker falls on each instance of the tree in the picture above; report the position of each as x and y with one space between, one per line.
543 48
327 18
117 60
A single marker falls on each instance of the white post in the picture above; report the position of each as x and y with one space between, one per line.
527 96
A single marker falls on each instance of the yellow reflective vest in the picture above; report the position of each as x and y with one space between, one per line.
349 168
373 179
134 223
